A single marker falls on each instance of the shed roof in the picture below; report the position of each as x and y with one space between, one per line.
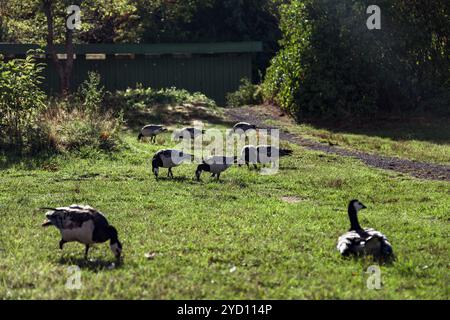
158 48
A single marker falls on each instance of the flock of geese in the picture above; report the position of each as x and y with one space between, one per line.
170 158
86 225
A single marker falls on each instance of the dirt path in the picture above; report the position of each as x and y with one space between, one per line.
417 169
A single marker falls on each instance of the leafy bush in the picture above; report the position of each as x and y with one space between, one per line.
91 93
21 101
80 122
331 65
141 97
247 94
70 130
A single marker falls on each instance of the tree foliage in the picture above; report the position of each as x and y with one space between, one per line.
21 100
330 64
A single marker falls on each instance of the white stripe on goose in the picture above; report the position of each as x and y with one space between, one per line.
83 224
361 241
168 158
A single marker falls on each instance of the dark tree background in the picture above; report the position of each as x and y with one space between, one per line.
325 61
331 65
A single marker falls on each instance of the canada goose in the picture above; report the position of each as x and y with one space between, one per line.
83 224
188 132
151 130
362 241
168 158
216 165
242 128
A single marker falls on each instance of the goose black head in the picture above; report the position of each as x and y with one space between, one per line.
201 167
353 207
356 205
50 217
155 167
114 243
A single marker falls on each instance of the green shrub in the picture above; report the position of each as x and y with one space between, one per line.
140 97
331 65
81 122
21 101
75 129
91 93
247 94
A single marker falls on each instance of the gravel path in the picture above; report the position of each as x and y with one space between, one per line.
417 169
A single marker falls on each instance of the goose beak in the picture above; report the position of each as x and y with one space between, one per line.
363 206
46 223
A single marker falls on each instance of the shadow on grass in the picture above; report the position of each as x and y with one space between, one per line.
397 128
95 265
172 115
380 260
176 179
42 160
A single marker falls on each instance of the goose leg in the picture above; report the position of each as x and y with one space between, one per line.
255 166
170 172
212 175
218 176
86 252
61 243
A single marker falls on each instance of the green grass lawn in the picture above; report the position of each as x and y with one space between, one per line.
238 238
421 141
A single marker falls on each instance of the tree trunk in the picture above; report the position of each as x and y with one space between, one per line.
64 69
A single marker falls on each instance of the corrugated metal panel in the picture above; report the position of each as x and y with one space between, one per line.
214 75
157 48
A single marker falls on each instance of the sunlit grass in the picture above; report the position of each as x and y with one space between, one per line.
237 238
406 145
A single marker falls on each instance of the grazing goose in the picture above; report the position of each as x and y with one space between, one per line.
83 224
262 154
362 241
216 165
151 130
168 158
249 154
190 132
242 128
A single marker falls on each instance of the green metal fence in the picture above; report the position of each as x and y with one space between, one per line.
211 68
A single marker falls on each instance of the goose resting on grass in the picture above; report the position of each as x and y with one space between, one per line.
83 224
168 158
151 130
359 241
216 165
